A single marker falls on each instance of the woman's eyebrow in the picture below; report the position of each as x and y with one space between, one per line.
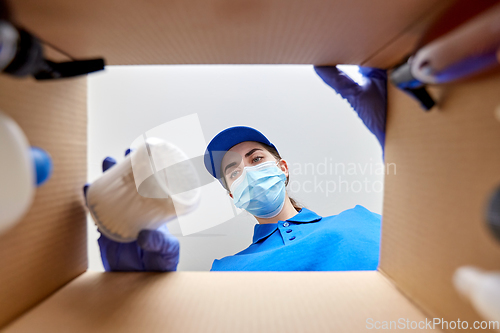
252 151
228 166
246 155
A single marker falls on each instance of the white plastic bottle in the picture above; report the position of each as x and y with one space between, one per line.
22 169
481 288
144 191
16 173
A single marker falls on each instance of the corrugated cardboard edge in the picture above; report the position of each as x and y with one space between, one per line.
221 302
405 43
448 163
224 31
48 247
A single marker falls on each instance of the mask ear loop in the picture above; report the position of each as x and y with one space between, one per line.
286 182
239 180
228 191
278 163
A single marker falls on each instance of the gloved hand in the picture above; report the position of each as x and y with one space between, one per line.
368 100
154 250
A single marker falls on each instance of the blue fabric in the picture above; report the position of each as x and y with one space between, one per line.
260 190
154 250
349 241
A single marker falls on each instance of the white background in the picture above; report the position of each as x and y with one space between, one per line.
303 117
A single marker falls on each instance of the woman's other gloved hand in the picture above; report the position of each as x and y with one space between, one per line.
369 100
154 250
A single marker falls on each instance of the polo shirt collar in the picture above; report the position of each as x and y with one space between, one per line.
262 231
305 216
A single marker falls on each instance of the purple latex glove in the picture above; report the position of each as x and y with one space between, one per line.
368 100
154 250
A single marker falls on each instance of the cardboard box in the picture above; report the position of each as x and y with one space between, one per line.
433 217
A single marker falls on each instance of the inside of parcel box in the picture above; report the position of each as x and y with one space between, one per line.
434 208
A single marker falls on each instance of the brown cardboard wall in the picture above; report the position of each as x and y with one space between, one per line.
221 302
448 161
406 41
229 32
433 207
48 247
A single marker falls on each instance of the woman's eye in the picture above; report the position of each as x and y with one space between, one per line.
234 174
257 159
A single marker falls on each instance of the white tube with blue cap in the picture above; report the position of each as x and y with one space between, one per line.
22 169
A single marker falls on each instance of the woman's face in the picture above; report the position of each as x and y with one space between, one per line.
245 154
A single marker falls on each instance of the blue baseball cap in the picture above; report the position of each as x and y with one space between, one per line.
224 141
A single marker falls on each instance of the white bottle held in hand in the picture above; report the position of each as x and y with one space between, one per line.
154 184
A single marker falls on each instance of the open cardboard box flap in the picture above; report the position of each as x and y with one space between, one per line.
220 302
447 164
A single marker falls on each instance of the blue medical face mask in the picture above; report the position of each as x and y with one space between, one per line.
260 190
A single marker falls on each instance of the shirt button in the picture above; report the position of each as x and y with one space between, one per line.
286 224
292 238
289 231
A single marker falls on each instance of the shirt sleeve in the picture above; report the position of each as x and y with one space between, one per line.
215 265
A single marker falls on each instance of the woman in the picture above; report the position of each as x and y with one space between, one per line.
287 237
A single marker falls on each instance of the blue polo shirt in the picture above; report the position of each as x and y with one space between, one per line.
349 241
